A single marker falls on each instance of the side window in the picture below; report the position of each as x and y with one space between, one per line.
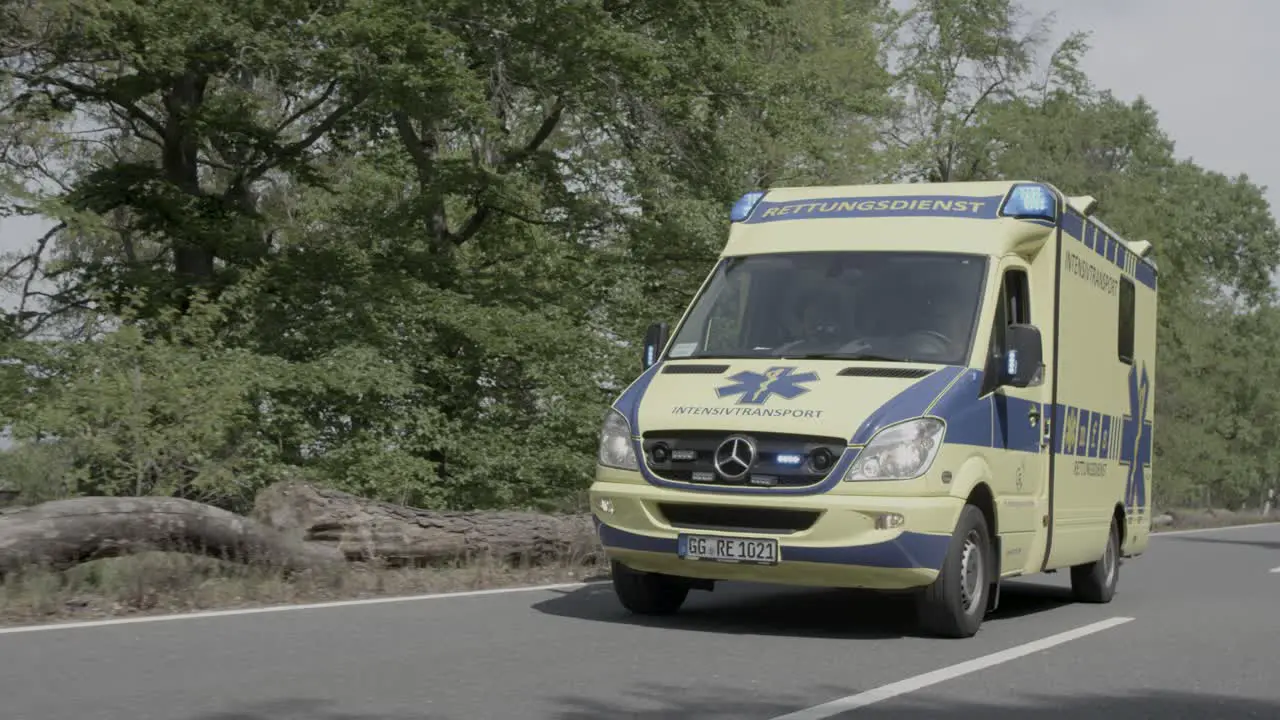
1125 339
998 324
1017 295
1013 308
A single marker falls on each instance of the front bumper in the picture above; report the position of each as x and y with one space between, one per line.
847 545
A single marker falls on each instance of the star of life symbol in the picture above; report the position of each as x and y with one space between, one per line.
756 388
1136 447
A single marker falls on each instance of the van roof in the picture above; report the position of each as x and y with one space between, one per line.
899 211
981 188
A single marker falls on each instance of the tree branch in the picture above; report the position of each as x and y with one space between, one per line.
86 91
547 127
35 264
421 148
295 149
414 144
309 107
508 161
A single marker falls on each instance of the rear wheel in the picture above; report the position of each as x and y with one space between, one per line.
648 593
1095 582
956 603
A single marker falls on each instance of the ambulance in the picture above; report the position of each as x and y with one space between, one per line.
923 389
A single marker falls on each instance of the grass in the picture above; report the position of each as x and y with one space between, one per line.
162 583
1196 519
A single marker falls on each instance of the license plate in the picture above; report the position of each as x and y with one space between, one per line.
717 548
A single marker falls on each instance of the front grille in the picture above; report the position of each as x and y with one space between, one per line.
731 518
689 456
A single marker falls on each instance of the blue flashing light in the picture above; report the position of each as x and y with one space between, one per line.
789 459
742 209
1031 202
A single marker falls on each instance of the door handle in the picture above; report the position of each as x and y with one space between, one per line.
1033 416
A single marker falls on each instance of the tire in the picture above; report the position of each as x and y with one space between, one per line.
648 593
955 604
1095 582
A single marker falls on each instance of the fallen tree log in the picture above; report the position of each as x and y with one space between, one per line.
363 529
63 533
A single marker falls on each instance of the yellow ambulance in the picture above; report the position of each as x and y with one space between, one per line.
920 388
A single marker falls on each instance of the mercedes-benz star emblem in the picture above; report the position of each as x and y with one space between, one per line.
735 457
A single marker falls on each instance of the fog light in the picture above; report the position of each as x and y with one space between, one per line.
605 505
889 521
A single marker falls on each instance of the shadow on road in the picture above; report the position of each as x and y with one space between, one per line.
655 702
741 609
663 703
306 709
1268 544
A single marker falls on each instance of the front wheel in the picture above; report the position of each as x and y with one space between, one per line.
648 593
956 603
1095 582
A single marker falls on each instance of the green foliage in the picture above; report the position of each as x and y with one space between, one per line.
407 247
124 415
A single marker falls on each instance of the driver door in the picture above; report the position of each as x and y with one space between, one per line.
1020 420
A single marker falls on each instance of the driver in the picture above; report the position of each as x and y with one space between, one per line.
816 321
935 322
822 321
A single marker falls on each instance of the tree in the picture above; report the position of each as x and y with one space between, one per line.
957 59
401 239
211 99
408 248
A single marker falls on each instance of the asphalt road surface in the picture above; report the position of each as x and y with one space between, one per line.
1193 633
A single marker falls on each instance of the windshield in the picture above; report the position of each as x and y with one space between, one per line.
897 306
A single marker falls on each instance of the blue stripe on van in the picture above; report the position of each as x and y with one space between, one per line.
908 550
1106 246
996 421
954 206
629 402
909 403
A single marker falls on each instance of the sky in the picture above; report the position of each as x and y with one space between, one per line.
1204 68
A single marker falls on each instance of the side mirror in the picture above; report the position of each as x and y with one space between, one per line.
655 339
1023 356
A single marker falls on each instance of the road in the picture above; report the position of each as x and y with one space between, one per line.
1198 637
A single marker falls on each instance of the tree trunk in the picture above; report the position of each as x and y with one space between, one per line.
64 533
368 529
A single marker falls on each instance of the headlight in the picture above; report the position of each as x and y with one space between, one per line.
616 449
899 452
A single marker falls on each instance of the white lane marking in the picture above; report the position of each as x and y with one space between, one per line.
287 608
1275 570
401 598
902 687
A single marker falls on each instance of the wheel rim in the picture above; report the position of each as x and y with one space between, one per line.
971 572
1109 559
